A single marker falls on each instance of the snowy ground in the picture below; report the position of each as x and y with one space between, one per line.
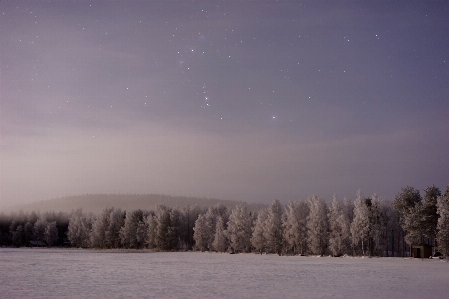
55 273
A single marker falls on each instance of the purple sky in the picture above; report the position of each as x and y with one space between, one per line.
246 100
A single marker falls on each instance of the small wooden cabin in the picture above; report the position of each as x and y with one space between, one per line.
422 251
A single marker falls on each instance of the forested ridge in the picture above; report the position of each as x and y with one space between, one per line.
370 226
96 203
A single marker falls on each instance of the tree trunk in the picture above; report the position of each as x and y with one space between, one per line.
386 242
392 243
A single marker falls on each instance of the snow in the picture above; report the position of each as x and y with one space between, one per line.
69 273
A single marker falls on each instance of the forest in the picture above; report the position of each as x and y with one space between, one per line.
368 226
96 203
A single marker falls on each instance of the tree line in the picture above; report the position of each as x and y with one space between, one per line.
370 226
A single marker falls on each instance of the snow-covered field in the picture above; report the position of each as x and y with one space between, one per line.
57 273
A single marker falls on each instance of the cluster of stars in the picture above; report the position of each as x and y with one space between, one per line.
219 51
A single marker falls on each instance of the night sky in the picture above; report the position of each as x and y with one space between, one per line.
245 100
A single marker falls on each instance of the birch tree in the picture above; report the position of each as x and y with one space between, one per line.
430 214
51 233
220 243
258 239
203 233
378 223
112 234
79 229
39 229
443 223
142 233
273 228
128 233
295 227
338 228
360 225
368 226
239 229
100 226
152 230
317 225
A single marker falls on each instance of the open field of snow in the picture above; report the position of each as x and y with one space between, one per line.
58 273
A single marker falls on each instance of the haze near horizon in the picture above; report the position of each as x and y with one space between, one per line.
244 100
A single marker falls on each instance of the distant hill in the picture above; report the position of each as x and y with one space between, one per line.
96 203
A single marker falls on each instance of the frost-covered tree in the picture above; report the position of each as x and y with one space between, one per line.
18 235
239 229
211 219
79 229
273 228
51 233
338 228
380 217
222 211
189 215
295 227
378 225
203 232
430 214
348 209
345 231
360 226
443 223
160 215
112 234
100 226
258 239
369 224
152 229
39 229
206 232
141 234
317 225
407 198
409 204
168 230
128 233
411 223
335 243
220 243
175 228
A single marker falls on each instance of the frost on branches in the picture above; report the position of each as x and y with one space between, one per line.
366 226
